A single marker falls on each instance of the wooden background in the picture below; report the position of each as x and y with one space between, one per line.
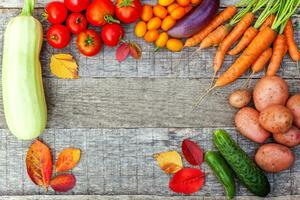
121 114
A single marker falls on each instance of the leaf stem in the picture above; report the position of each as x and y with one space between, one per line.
28 8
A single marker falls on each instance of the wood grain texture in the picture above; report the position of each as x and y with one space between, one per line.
120 162
137 102
153 64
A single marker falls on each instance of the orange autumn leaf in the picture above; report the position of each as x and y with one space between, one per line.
63 182
170 162
67 159
64 66
39 164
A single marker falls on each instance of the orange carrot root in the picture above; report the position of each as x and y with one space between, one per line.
258 45
279 51
215 37
217 21
248 36
268 22
262 60
290 40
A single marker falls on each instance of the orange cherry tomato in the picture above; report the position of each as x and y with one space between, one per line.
178 13
168 23
140 29
188 8
151 36
196 2
162 40
172 7
160 11
165 2
174 45
147 13
154 23
183 2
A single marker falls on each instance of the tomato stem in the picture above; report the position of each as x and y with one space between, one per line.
110 19
126 3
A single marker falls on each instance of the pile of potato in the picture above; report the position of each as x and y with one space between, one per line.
275 114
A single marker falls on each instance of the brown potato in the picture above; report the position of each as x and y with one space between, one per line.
274 157
291 138
239 98
276 119
246 121
294 105
270 90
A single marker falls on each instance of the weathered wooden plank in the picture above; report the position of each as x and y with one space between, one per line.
137 102
42 3
120 162
152 64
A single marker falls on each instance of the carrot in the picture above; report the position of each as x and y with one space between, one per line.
292 46
261 61
268 22
279 51
217 21
215 37
233 36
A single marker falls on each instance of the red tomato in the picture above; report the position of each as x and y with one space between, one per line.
56 12
58 36
112 34
77 5
100 12
89 43
128 11
76 23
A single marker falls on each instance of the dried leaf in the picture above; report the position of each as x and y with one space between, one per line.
170 162
122 52
135 50
64 66
39 164
192 152
67 159
63 182
187 181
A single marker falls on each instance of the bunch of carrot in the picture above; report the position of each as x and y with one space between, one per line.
273 27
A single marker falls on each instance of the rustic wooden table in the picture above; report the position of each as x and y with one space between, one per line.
121 114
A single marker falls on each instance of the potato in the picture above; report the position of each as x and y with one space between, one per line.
291 138
276 119
246 121
270 90
274 157
294 105
239 98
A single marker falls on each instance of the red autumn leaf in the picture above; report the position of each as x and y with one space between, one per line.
39 164
122 52
135 50
63 182
187 181
192 152
67 159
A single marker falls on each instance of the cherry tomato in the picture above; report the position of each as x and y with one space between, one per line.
100 12
58 36
128 11
76 23
77 5
56 12
112 34
89 43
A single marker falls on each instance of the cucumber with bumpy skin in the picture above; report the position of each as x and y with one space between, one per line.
246 170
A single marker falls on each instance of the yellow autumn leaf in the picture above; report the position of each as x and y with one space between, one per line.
170 162
64 66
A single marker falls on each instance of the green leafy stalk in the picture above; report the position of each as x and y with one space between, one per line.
271 8
28 8
242 13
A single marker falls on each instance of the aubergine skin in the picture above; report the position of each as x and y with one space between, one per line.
196 20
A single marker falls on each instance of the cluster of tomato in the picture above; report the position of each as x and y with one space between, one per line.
158 19
74 16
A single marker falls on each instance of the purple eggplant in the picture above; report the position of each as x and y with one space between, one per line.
196 20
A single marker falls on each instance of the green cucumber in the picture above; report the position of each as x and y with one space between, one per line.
246 170
223 172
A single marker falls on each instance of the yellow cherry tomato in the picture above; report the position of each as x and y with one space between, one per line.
172 7
151 35
178 13
165 2
140 29
160 11
147 13
162 40
154 23
183 2
174 45
168 23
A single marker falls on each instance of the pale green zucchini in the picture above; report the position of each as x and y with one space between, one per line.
22 86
